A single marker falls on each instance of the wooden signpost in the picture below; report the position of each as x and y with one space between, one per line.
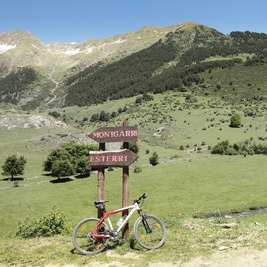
115 134
118 158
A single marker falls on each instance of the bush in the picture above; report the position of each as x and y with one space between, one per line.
235 120
154 159
137 169
54 114
50 224
220 148
62 168
134 147
82 165
241 148
74 156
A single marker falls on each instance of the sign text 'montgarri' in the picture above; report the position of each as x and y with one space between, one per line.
119 158
115 134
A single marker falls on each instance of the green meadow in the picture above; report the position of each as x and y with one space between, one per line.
187 185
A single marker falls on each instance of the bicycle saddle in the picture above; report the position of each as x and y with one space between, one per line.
100 204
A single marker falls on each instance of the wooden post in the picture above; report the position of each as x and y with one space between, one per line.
125 190
122 158
101 182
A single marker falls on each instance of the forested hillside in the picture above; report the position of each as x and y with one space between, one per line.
181 57
183 60
16 83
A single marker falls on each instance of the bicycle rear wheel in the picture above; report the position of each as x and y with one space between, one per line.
150 232
82 240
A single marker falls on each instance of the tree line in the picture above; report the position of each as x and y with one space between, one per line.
16 83
242 148
114 80
67 160
135 74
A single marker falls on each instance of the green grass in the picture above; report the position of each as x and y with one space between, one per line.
186 238
187 184
182 123
238 82
203 186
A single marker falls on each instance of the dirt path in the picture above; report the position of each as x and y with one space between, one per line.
234 258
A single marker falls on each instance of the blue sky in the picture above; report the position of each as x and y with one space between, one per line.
80 20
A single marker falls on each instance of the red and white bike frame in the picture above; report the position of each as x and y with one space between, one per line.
134 207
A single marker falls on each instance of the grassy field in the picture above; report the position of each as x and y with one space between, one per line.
181 190
200 187
186 186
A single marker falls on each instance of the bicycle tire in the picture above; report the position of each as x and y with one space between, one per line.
88 245
152 240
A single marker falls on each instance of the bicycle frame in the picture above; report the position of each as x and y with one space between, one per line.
134 207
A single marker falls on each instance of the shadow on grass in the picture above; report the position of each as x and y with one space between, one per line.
82 176
47 174
13 179
62 180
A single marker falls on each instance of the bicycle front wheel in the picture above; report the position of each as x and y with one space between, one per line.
84 242
149 232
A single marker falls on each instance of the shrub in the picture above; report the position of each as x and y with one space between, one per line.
62 168
154 159
134 147
54 114
50 224
241 148
74 156
137 169
82 165
235 120
220 148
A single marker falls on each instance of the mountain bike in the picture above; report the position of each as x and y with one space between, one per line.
92 235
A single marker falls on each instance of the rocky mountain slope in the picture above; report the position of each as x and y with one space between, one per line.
34 75
54 62
21 48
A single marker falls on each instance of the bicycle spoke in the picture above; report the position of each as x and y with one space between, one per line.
84 242
150 234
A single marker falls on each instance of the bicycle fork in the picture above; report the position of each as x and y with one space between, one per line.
144 221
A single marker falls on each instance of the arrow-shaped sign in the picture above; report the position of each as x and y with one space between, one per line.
115 134
118 158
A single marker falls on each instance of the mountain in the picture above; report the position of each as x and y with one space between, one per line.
56 61
34 75
21 48
172 63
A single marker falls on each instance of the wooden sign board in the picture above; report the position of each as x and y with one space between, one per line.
119 158
115 134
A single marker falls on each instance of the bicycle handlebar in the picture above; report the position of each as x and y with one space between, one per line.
140 198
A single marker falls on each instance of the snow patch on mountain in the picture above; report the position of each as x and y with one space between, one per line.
35 46
68 49
119 41
5 47
71 52
90 49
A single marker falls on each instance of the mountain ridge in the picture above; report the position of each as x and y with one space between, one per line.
119 66
16 39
